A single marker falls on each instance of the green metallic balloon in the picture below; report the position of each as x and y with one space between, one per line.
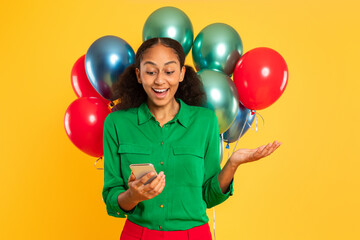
218 47
170 22
222 97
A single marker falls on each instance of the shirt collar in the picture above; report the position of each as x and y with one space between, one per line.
182 116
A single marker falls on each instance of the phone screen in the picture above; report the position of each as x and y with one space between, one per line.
141 170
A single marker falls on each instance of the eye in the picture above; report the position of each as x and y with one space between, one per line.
170 72
150 73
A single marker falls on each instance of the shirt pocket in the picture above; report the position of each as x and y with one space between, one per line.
134 154
188 165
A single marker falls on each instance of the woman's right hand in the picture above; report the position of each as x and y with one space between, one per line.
138 191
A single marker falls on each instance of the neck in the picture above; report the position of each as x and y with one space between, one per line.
163 114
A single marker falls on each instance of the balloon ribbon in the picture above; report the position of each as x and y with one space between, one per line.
97 160
247 116
214 222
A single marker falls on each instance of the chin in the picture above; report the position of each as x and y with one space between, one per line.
161 102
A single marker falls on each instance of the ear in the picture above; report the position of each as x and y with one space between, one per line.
137 71
182 73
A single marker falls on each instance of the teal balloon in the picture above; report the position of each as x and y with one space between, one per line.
221 97
105 61
172 23
242 122
218 47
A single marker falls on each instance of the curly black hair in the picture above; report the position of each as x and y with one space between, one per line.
129 93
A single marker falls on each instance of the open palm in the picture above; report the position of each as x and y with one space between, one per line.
249 155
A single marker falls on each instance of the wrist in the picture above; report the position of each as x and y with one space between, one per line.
232 164
125 203
130 197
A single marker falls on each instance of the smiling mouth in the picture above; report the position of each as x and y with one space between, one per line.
160 90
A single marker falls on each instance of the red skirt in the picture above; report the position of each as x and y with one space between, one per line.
133 231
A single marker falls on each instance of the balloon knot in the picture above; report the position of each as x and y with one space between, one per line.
227 146
252 112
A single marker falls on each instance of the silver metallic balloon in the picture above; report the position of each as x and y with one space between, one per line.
219 47
244 116
222 97
105 60
170 22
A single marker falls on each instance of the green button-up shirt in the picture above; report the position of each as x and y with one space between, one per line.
186 149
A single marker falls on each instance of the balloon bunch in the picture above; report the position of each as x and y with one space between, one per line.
92 77
259 77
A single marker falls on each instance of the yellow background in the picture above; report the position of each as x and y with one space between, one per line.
308 189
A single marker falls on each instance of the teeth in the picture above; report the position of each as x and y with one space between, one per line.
160 90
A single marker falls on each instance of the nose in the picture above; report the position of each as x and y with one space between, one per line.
160 79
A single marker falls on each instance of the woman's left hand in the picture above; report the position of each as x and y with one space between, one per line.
249 155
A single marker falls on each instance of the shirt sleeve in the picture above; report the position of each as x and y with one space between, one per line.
212 193
113 180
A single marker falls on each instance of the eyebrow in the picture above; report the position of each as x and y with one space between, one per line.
152 63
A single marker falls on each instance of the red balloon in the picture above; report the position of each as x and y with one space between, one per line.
260 76
80 82
84 123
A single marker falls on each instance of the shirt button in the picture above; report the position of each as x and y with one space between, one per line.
161 162
162 143
161 206
117 213
159 227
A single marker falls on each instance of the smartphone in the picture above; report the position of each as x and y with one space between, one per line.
142 169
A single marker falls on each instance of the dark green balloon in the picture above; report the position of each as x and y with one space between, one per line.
222 97
170 22
218 47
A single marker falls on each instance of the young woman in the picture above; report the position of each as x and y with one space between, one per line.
159 120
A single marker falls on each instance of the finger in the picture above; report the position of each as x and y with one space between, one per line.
272 145
132 177
162 186
144 179
260 149
264 149
154 183
269 148
277 145
258 153
156 189
151 193
272 148
154 192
